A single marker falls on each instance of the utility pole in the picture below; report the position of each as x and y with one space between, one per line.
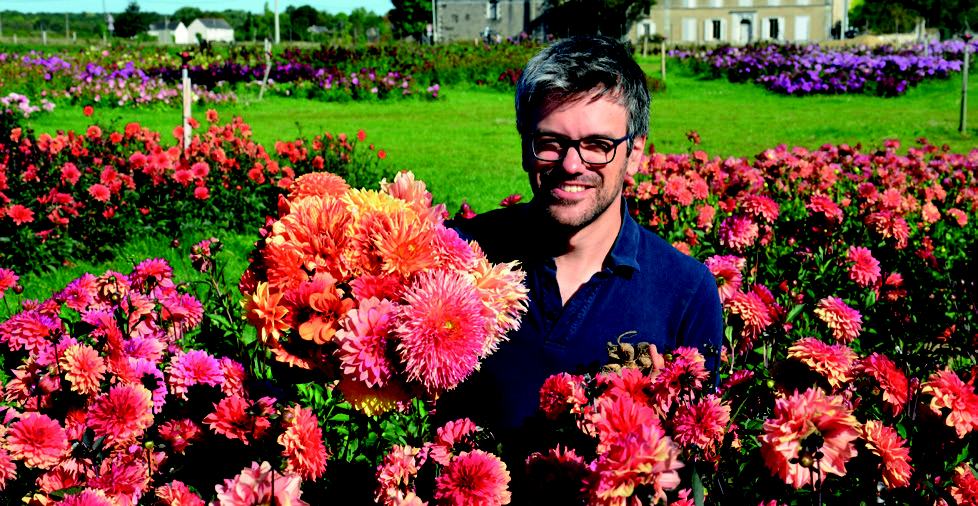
434 22
277 39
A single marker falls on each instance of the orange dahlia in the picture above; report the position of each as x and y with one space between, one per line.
834 362
891 380
644 456
262 309
846 323
318 184
809 437
886 444
955 397
84 368
302 440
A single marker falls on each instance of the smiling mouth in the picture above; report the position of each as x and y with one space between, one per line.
572 188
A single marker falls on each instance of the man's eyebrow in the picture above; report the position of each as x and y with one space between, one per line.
591 136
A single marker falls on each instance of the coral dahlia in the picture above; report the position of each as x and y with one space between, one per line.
846 323
886 444
809 419
864 269
37 440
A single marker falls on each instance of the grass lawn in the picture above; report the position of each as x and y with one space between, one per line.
465 145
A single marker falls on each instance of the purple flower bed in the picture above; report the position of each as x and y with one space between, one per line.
807 70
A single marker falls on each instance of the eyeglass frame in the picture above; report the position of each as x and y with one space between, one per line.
566 143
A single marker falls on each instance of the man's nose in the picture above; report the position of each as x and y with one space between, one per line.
572 162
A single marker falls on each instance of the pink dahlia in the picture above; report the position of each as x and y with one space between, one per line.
442 329
30 330
834 362
805 424
238 418
738 232
704 216
176 493
929 213
396 474
122 413
180 434
151 274
644 456
864 269
8 469
8 280
760 206
956 398
825 205
37 440
100 192
959 216
192 368
727 271
88 497
702 424
965 486
260 484
886 444
684 374
891 380
362 342
472 478
612 419
234 377
562 393
846 323
304 451
753 312
442 449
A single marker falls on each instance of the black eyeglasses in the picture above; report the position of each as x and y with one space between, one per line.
592 150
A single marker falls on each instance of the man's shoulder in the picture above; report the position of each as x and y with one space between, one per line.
499 232
657 257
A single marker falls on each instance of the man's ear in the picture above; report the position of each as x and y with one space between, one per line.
635 155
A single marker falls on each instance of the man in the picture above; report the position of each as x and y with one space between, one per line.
582 109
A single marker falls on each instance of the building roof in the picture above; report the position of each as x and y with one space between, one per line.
215 23
172 25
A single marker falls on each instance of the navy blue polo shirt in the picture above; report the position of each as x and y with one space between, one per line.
646 286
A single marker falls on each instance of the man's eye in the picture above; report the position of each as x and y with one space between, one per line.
597 145
549 144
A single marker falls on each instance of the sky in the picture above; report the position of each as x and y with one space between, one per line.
169 6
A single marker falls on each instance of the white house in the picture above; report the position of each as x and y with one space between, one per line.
176 30
211 30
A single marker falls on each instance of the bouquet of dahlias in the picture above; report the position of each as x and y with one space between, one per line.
372 289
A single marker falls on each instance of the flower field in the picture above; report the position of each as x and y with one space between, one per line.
132 76
793 69
846 273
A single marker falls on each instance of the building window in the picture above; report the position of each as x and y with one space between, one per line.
689 30
454 18
774 3
802 24
745 3
773 29
690 4
466 17
716 3
492 9
716 30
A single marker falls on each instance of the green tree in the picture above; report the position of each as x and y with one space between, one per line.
951 17
608 17
187 15
302 18
132 22
409 17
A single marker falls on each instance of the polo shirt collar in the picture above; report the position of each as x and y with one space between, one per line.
624 253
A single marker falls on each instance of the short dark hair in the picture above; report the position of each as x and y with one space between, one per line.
576 66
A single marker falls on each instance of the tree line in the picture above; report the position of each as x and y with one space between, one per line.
133 22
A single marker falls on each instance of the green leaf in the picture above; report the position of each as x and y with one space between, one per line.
795 311
219 319
963 456
698 494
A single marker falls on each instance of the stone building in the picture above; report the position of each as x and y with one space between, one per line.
475 19
741 21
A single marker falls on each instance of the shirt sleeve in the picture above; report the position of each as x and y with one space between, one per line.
702 324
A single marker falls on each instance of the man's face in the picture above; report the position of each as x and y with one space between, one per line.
574 193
